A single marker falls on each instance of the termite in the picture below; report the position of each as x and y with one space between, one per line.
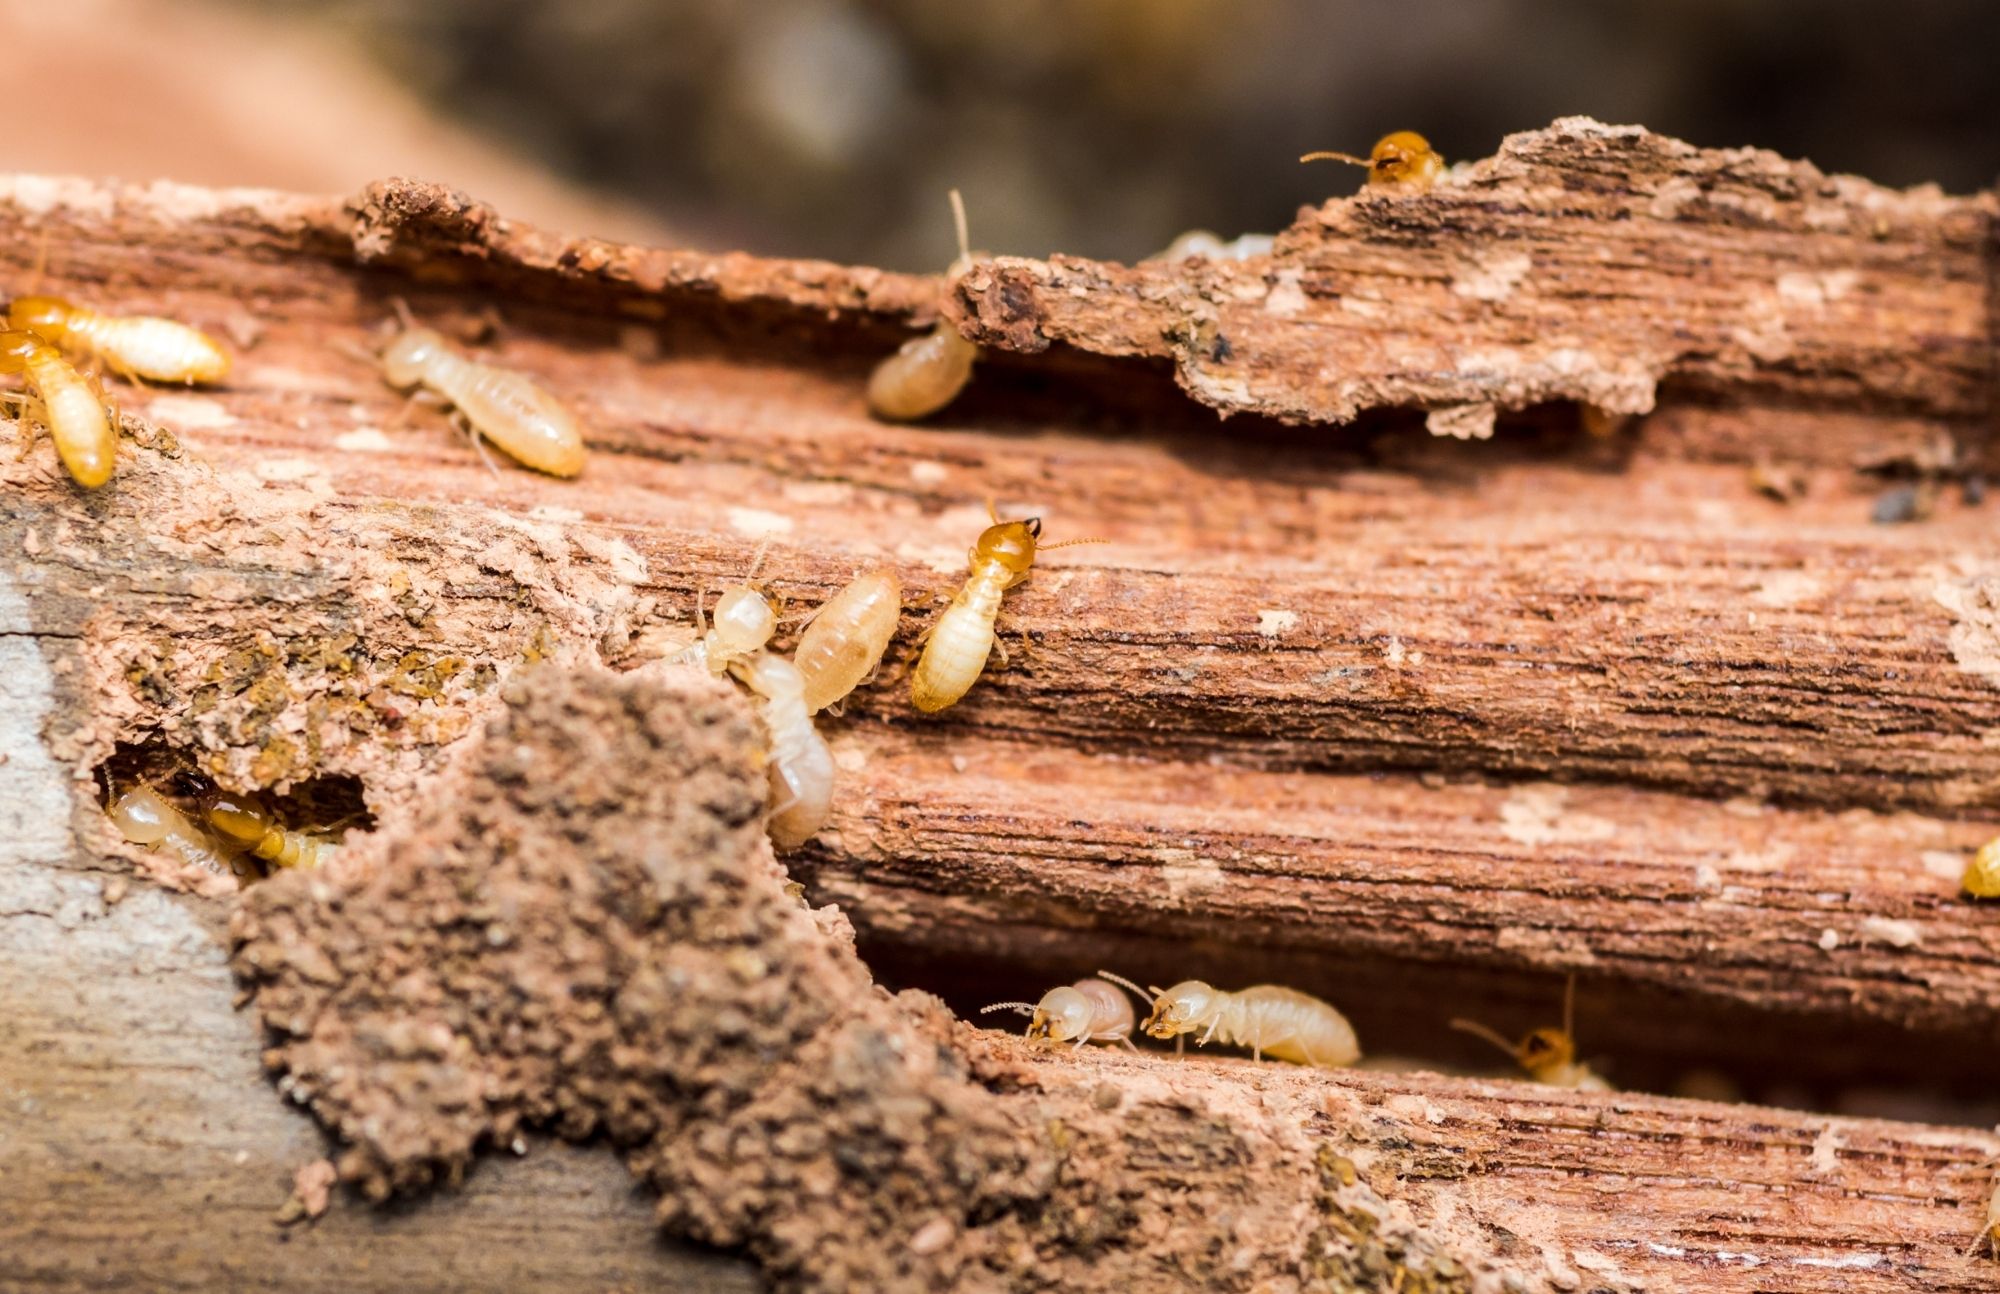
800 767
1210 247
499 404
845 639
141 346
1982 874
743 621
956 646
927 372
145 817
74 412
1267 1018
1089 1010
1404 160
1546 1055
246 821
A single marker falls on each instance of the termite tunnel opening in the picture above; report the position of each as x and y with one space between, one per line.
1640 1037
322 810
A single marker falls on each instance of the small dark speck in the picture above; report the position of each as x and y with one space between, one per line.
1899 504
1973 490
1222 350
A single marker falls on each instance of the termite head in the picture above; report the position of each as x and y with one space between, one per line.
47 317
1544 1053
242 818
745 619
1010 543
1545 1050
410 355
15 348
1185 1007
1403 159
1063 1015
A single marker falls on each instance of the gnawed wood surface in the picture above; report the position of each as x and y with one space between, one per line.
1584 263
585 927
1274 723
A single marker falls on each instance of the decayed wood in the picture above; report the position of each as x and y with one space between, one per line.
142 1144
1582 262
586 926
994 846
287 583
1264 601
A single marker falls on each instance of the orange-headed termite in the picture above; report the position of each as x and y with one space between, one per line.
145 817
74 412
846 637
927 372
158 350
244 819
1268 1019
800 767
1547 1055
956 646
1089 1010
505 407
1404 160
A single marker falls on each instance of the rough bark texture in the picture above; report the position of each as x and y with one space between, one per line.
587 930
1583 262
1276 728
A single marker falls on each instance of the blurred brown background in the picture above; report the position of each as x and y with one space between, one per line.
833 127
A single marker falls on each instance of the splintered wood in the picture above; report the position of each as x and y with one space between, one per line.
1417 724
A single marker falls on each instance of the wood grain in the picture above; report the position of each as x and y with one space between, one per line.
1294 715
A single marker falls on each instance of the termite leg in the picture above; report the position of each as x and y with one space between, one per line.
464 424
28 412
1000 647
1129 1046
410 403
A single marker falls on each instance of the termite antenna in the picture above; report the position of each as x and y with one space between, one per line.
958 222
403 312
354 351
1479 1030
1025 1008
1124 983
1324 156
992 508
757 559
1072 543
